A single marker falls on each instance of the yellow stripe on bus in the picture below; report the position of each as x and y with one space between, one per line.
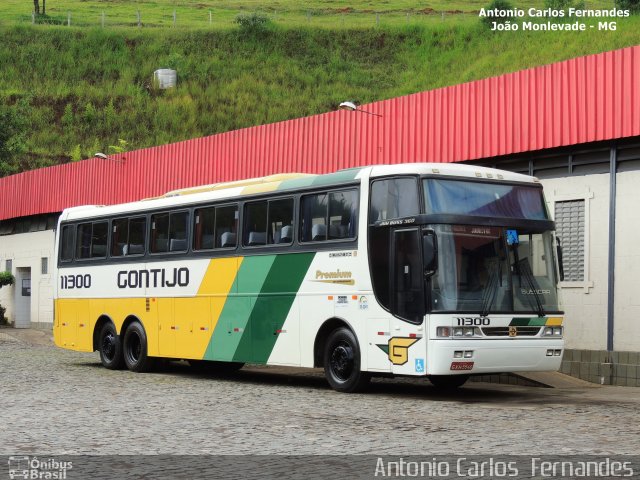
554 321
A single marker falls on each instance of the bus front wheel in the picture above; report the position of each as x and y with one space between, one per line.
135 349
110 348
342 362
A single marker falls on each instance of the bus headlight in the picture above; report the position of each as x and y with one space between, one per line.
553 332
444 332
467 332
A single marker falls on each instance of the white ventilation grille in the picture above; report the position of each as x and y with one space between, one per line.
569 217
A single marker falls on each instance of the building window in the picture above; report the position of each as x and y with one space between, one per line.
570 231
44 261
8 265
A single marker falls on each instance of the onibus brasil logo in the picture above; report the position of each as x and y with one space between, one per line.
25 467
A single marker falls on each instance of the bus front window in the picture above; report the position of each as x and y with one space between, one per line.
484 270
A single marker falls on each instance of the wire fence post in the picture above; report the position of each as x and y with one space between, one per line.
102 20
174 19
210 18
407 17
33 18
377 19
308 15
68 19
139 19
443 16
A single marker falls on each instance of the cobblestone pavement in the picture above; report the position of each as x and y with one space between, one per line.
63 402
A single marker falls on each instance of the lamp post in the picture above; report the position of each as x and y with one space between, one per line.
352 107
104 156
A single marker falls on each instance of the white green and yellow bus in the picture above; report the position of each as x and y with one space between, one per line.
436 270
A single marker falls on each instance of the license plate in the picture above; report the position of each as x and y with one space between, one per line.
461 365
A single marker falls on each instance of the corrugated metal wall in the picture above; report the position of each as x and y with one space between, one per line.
580 100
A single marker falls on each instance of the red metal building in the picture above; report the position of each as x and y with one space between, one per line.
577 101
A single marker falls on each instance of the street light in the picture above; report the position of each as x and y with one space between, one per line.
104 156
352 107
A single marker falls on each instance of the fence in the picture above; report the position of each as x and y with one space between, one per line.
205 18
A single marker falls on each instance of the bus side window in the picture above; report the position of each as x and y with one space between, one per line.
66 243
203 229
394 198
226 226
313 217
91 240
280 221
329 216
169 232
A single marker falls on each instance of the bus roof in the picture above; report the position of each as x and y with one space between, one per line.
289 182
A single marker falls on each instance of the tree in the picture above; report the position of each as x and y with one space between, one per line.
5 279
36 7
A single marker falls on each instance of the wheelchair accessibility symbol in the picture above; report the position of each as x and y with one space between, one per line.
420 365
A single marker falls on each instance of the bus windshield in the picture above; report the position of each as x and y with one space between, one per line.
493 270
487 199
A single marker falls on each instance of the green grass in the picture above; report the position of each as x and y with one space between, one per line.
195 13
82 89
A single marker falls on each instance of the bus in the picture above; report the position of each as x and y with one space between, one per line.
433 270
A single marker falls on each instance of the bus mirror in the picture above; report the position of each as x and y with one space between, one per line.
559 253
429 252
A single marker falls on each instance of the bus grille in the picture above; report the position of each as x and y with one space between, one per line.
504 331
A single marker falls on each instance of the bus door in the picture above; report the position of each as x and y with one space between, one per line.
407 349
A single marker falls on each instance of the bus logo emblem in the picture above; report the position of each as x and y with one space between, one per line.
513 332
398 349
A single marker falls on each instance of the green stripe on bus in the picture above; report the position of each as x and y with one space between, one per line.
528 322
234 318
271 308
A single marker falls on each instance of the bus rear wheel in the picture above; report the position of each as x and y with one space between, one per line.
110 348
342 362
135 349
448 382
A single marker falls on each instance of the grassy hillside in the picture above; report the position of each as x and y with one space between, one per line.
195 13
79 90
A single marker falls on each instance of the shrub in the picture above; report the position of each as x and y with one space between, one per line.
563 4
252 22
632 5
6 279
498 5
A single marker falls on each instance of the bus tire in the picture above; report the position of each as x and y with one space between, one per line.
134 347
342 362
110 348
448 382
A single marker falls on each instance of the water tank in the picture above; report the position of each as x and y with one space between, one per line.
165 78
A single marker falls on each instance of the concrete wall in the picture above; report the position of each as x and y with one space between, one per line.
26 251
627 273
585 303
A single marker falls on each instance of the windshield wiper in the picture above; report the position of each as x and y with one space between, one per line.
490 291
525 270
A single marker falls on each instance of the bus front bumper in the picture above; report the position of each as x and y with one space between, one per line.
451 357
